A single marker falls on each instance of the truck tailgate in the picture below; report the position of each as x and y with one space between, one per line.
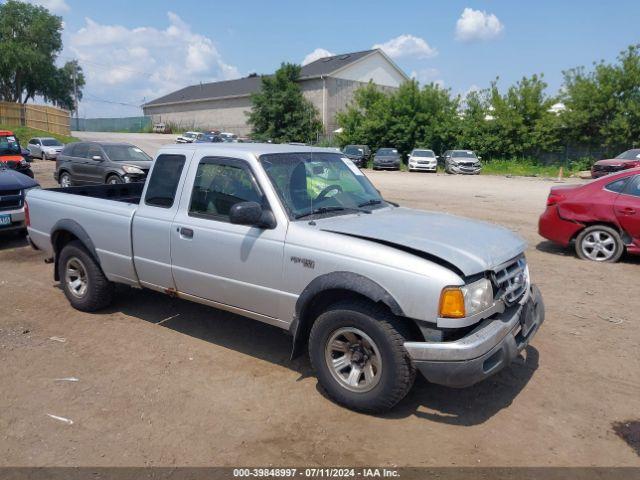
106 223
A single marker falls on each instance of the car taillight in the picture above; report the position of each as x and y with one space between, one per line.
554 198
27 218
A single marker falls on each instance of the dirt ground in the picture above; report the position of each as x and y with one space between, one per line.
161 381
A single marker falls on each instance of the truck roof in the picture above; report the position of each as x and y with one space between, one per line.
6 132
256 149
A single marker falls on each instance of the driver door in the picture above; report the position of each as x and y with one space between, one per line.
212 259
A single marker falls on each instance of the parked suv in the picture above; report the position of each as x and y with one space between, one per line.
462 161
358 154
46 148
91 163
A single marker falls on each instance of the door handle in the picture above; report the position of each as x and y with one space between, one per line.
627 211
185 232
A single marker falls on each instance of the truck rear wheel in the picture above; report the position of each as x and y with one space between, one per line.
359 357
83 282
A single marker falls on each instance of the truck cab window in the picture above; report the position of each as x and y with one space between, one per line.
163 183
218 186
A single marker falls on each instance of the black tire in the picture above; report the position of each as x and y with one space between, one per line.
397 370
98 293
67 174
114 180
606 255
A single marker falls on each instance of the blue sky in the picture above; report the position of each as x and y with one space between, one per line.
135 50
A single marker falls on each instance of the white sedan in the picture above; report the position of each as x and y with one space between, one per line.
422 159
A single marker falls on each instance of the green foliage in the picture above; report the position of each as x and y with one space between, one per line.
603 105
280 112
25 133
30 40
409 117
602 115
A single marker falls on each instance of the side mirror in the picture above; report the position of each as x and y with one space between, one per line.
479 157
97 158
251 213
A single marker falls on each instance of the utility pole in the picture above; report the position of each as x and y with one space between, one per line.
75 93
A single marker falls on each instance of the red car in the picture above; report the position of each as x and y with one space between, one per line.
624 161
603 216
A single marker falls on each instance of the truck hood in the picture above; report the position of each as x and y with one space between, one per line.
469 245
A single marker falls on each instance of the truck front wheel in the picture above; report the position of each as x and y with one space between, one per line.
359 357
83 282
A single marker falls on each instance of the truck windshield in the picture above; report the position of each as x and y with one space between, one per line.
9 145
319 184
125 153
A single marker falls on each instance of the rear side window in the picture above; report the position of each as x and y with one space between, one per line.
617 186
163 183
634 187
68 150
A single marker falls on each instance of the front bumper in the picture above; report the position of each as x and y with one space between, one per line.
389 165
17 220
427 167
485 351
464 169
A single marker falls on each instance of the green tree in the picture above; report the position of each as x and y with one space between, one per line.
279 110
409 117
603 105
30 41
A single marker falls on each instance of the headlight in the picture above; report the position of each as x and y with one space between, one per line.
465 301
132 169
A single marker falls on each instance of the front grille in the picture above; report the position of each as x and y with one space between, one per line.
10 199
511 280
607 168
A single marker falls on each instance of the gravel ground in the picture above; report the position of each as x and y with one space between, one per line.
161 381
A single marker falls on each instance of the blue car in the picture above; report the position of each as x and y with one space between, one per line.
13 191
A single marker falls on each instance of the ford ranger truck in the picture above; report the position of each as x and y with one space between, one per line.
298 238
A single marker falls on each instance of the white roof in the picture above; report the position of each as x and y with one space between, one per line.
256 149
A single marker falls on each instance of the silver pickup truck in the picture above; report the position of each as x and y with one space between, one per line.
297 237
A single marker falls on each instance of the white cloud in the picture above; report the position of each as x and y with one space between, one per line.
54 6
131 64
407 46
427 75
477 25
317 54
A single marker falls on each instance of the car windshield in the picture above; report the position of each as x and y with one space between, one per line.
387 151
319 184
51 142
125 153
353 151
630 155
190 134
9 145
423 153
463 154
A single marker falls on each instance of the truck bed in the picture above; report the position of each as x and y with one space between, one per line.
102 213
124 192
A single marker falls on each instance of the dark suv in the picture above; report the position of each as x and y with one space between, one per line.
358 154
91 163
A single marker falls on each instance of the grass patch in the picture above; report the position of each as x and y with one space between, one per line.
26 133
525 168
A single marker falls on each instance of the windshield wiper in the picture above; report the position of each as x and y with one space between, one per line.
369 202
321 210
318 210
